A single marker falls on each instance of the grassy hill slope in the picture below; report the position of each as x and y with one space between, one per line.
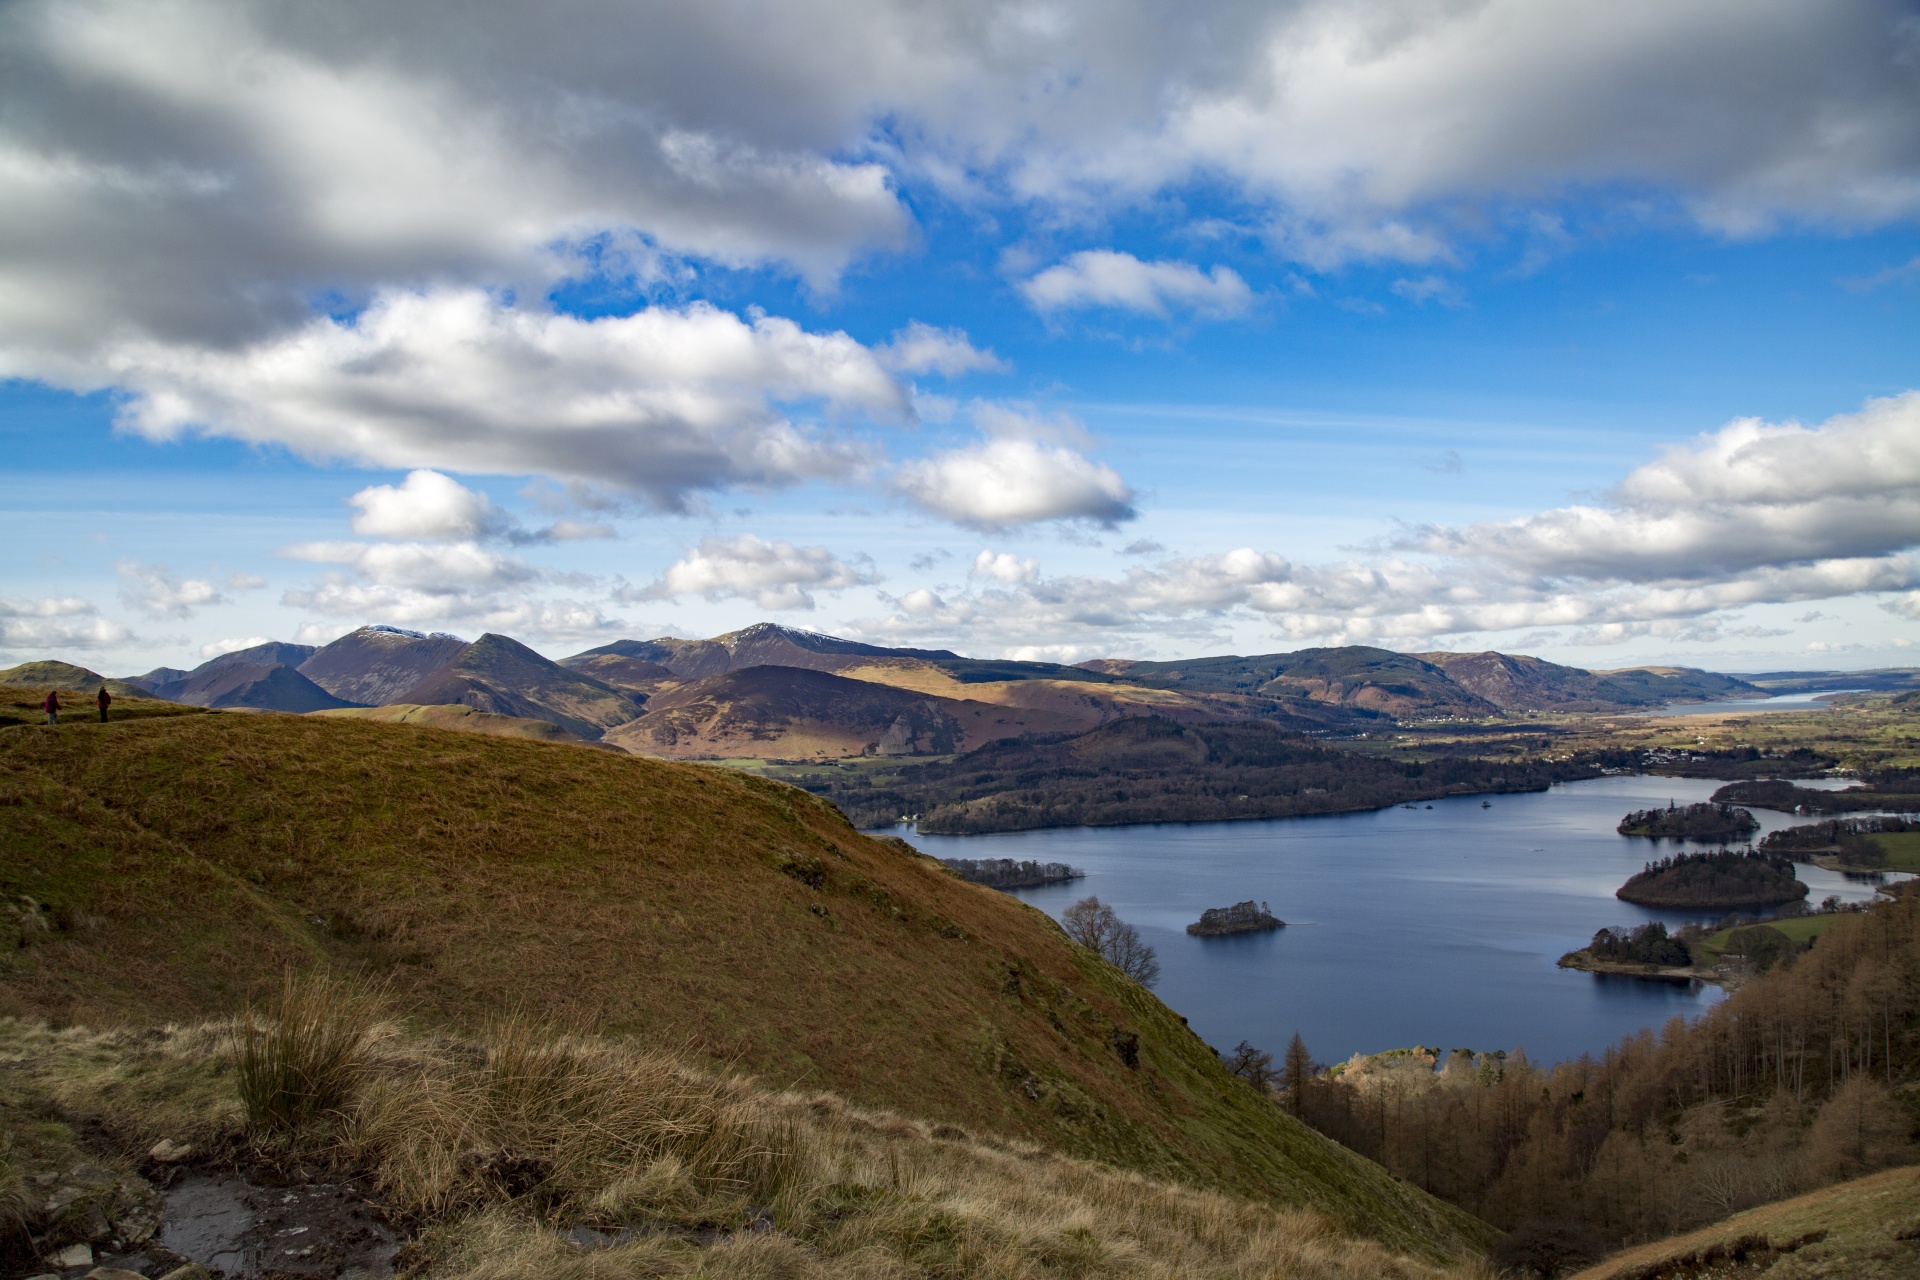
67 678
182 861
1864 1230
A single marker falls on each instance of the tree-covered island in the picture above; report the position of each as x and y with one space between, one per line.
1723 880
1690 822
1005 873
1241 917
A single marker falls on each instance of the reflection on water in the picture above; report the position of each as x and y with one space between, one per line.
1435 925
1785 702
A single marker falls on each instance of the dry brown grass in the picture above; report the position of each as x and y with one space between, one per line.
494 1148
300 1061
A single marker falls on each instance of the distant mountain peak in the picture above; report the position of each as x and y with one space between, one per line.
386 629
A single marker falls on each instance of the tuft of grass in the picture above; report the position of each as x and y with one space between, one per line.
301 1061
572 1129
497 1147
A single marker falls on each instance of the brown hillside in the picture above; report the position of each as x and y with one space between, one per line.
791 713
680 903
500 675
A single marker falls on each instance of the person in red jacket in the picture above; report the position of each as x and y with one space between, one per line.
104 699
52 704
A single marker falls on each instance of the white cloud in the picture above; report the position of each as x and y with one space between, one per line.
664 403
58 622
1004 483
1748 496
776 575
155 591
426 505
1004 567
921 348
1752 514
190 174
215 648
1107 278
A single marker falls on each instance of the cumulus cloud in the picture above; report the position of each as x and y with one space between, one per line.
437 508
424 584
1750 495
190 174
1005 567
56 622
156 591
775 575
1752 514
1108 278
921 348
665 403
1008 482
426 505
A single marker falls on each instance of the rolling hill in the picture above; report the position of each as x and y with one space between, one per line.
176 864
67 678
1431 685
793 713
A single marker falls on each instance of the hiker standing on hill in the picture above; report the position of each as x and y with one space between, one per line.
52 705
105 699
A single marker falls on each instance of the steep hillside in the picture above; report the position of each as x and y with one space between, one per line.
260 686
377 665
792 713
188 686
503 676
183 861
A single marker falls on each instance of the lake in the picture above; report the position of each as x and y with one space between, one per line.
1436 925
1740 706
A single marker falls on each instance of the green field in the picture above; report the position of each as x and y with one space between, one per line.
1713 946
1903 850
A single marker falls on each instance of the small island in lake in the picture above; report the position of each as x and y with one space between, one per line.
1691 822
1241 917
1005 873
1724 880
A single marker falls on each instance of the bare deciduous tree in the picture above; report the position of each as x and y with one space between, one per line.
1093 924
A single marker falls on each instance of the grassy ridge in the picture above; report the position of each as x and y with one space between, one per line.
679 904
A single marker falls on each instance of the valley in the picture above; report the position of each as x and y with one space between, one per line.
600 862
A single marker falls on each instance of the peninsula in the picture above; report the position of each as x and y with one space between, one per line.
1724 880
1690 822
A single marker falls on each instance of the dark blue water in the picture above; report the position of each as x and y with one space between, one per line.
1435 926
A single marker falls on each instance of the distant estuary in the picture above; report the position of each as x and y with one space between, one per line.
1437 925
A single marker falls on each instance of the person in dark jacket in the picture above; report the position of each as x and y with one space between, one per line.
105 700
52 705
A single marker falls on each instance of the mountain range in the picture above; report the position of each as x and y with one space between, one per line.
777 692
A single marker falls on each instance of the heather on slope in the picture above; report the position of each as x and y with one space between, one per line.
182 862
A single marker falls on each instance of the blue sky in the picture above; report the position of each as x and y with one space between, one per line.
1040 329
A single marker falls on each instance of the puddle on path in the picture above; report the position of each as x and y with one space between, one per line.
324 1230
